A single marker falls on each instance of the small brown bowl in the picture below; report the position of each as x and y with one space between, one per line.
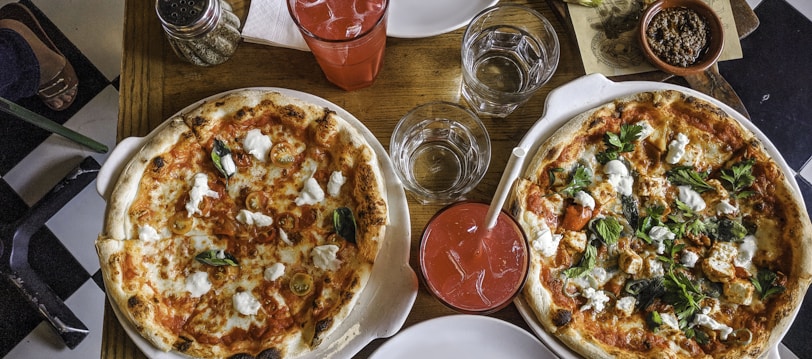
713 48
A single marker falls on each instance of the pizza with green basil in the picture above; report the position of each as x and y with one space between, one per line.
660 227
245 227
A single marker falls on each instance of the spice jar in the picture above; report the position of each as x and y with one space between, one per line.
203 32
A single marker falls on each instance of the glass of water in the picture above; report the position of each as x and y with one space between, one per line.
508 52
440 151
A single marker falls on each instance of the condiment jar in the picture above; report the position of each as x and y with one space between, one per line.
203 32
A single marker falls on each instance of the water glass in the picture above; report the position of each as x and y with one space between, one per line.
508 52
347 37
440 151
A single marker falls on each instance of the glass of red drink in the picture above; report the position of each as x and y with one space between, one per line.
347 37
469 268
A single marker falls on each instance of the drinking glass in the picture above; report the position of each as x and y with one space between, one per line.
346 37
508 52
440 151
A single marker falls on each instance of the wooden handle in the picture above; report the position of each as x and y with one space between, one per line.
712 83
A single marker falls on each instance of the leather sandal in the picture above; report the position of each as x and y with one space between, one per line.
65 80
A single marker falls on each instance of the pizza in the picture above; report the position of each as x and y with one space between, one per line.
660 227
247 226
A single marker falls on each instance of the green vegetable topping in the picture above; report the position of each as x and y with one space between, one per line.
608 229
617 143
344 223
652 218
685 175
217 258
219 153
683 295
765 283
654 321
579 180
586 264
726 230
739 177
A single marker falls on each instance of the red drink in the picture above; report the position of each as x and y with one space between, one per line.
347 37
469 268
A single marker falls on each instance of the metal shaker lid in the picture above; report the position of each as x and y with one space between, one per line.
188 18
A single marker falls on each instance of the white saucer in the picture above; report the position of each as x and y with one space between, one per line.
424 18
463 336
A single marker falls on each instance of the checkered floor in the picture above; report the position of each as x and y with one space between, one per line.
62 253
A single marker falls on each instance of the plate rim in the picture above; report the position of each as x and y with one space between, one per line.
470 322
408 32
397 242
596 90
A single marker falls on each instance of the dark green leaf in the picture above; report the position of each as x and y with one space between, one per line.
217 258
682 294
219 152
585 265
579 180
344 223
630 210
685 175
645 291
608 229
552 174
619 142
728 230
653 218
739 177
654 321
765 283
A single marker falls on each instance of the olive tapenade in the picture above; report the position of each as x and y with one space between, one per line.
678 36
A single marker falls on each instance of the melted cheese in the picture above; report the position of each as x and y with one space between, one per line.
325 257
198 284
311 193
200 189
692 198
273 272
676 149
618 176
337 179
245 303
254 218
584 199
147 233
257 144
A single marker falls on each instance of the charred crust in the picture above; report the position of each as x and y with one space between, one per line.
183 344
240 113
322 325
198 121
133 302
157 164
271 353
562 317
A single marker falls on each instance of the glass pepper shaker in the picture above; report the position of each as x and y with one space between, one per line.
203 32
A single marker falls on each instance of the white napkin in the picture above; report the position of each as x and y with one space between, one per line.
269 23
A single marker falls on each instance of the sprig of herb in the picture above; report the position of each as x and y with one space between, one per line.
579 180
608 229
739 177
765 283
671 250
586 264
653 218
726 230
617 143
683 295
686 175
217 258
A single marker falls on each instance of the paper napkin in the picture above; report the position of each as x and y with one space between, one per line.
269 23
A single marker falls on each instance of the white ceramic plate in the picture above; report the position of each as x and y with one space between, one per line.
591 91
463 336
424 18
392 280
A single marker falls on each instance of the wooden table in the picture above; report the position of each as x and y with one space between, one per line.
155 84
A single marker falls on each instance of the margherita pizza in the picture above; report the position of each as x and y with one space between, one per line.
245 227
660 227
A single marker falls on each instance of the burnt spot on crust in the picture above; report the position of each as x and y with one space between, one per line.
133 302
199 121
157 164
271 353
240 114
321 327
562 317
183 344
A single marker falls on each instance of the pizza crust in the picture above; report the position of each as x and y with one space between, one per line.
141 292
724 141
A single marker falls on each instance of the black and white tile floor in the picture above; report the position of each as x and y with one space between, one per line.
89 33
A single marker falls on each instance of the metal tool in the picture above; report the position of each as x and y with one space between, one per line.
14 252
35 119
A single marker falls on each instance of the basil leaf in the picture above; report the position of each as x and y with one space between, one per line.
586 264
217 258
219 152
608 229
344 223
